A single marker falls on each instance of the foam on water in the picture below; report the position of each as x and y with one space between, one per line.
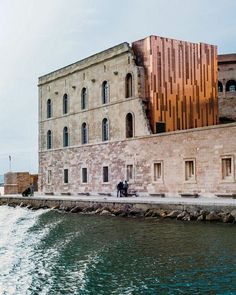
49 260
16 246
46 252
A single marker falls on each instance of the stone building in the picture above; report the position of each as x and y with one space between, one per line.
227 87
98 120
17 182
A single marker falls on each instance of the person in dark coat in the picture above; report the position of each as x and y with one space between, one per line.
125 188
26 192
119 189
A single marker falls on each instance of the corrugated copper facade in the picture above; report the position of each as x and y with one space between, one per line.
180 82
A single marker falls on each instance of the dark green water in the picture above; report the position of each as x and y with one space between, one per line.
46 252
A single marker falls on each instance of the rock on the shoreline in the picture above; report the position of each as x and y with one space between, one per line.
233 213
130 210
135 212
228 218
163 213
64 208
186 217
156 213
12 205
88 209
118 211
76 209
194 215
173 214
106 212
181 215
148 213
201 217
212 216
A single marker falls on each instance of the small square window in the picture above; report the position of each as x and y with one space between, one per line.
190 170
227 166
84 175
129 172
66 176
105 174
157 171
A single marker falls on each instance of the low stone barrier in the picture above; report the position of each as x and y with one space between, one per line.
219 213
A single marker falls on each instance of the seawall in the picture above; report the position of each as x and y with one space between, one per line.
182 209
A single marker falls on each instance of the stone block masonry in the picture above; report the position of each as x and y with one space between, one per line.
199 162
227 87
17 182
97 118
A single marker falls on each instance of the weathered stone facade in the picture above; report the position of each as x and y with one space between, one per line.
17 182
227 87
94 131
206 147
112 66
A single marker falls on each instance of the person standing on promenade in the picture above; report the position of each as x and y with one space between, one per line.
125 187
119 189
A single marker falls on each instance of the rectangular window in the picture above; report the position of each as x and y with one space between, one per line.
158 171
227 168
129 172
49 176
84 175
105 174
66 174
189 170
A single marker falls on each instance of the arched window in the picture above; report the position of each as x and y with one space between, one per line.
84 98
105 131
49 139
65 103
49 108
129 126
84 133
231 86
128 86
220 87
65 137
105 92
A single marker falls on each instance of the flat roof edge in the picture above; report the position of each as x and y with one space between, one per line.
179 40
105 51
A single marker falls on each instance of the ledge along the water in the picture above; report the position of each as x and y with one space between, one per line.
201 209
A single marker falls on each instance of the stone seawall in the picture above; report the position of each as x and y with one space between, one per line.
124 208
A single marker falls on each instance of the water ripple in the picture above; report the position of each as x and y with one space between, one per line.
44 252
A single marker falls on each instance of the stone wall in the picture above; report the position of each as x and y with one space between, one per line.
17 182
191 161
204 147
227 99
112 66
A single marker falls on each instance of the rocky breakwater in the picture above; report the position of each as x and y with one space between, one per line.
134 211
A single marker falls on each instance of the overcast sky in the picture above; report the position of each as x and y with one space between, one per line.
38 36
